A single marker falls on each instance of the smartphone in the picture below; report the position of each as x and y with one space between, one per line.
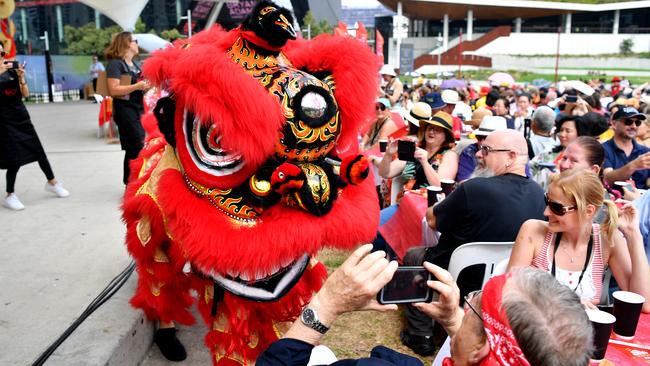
571 98
14 64
406 150
408 285
527 123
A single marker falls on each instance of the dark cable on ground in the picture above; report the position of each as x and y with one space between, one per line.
112 287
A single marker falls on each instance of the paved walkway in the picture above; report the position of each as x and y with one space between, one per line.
58 253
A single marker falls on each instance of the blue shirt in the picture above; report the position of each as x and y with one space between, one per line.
615 158
642 205
467 162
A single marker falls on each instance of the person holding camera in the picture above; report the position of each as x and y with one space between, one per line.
123 73
504 324
19 142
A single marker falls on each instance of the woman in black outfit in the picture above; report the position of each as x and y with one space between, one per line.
123 74
19 143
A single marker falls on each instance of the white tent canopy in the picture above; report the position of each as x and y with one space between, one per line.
123 12
150 42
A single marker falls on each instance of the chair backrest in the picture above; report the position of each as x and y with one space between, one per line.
501 267
488 253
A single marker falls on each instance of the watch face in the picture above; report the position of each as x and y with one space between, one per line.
308 316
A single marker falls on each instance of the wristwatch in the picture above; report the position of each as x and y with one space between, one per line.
309 318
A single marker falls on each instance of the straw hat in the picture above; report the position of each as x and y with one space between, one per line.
477 116
420 111
443 120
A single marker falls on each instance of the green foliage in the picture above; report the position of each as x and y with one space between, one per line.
626 46
171 34
87 40
316 27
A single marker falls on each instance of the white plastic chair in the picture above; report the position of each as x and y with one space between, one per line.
488 253
501 267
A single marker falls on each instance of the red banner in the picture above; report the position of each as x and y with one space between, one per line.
341 29
362 34
379 46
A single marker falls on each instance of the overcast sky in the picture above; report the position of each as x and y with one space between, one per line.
360 3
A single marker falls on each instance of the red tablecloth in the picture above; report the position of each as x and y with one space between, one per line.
404 229
624 355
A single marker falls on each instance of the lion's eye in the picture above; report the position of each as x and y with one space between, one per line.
313 105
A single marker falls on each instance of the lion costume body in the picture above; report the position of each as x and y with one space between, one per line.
241 185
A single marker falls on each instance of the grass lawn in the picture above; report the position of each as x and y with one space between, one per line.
527 77
353 335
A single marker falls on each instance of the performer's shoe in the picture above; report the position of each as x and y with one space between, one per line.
13 203
169 345
57 189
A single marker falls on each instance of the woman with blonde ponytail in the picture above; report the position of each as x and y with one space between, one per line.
574 249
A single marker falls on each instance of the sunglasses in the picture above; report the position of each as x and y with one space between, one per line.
629 122
558 208
485 150
380 107
134 41
468 305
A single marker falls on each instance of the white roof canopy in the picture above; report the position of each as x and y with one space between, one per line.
123 12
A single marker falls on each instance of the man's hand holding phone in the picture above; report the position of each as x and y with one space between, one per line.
445 309
354 285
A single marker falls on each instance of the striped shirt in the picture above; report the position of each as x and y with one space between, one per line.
592 282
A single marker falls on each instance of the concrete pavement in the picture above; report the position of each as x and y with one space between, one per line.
59 253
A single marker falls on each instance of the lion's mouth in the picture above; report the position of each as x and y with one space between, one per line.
262 287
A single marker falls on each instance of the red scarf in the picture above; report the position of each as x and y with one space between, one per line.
504 349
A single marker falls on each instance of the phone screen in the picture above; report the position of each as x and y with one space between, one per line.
571 98
409 284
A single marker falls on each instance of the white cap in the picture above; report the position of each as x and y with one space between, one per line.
450 96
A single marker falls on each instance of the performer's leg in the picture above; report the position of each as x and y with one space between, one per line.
130 152
12 173
47 169
166 340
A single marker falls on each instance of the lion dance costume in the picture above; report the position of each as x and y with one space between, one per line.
252 170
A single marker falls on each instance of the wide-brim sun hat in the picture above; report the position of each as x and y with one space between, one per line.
450 96
387 70
434 100
477 116
443 120
490 124
419 111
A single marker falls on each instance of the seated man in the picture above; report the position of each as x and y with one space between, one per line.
525 316
467 160
481 209
624 157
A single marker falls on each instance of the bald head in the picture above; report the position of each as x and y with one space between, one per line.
509 139
507 152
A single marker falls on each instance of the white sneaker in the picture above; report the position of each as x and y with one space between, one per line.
57 189
13 203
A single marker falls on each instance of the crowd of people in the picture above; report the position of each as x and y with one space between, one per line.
561 171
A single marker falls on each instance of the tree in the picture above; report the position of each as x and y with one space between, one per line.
626 46
316 27
87 39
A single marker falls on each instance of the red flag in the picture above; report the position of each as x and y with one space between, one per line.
379 46
362 34
341 29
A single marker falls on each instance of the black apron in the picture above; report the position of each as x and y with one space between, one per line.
19 143
126 113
